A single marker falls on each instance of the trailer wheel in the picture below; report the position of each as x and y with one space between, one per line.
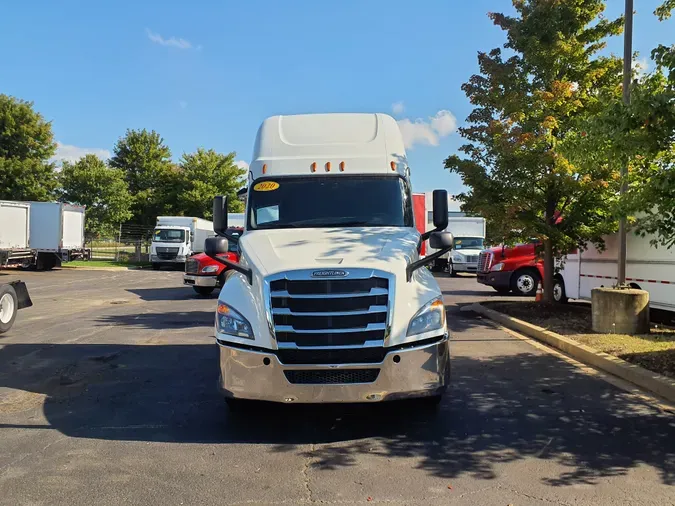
559 294
524 282
9 304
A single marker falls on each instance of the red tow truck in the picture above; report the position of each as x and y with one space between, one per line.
204 274
515 269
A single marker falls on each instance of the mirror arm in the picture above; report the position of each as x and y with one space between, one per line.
234 266
412 267
229 237
425 236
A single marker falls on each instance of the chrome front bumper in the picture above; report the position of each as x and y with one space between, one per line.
404 373
465 267
189 279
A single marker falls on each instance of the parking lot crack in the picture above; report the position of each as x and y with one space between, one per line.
305 475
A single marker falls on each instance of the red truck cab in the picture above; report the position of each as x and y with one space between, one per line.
511 269
204 274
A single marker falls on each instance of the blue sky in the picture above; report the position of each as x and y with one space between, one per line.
207 73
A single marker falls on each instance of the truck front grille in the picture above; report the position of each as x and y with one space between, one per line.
331 376
484 261
191 266
167 253
330 312
472 259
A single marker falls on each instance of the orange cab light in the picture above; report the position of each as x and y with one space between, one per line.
327 166
342 166
313 166
393 165
264 168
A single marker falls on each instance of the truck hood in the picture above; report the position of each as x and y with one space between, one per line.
271 251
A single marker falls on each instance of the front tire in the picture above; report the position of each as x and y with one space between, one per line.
559 294
524 282
9 304
203 290
451 270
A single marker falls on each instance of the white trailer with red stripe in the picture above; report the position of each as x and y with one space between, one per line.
647 267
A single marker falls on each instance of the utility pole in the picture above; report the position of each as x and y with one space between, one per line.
627 78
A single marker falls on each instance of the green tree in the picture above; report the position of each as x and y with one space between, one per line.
640 135
145 161
102 189
26 144
205 174
527 103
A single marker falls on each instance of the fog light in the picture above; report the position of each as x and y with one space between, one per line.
289 399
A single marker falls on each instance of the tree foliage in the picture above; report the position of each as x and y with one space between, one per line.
528 103
205 174
641 136
145 161
102 189
26 144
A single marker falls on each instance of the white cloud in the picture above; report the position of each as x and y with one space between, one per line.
171 42
642 65
66 152
242 164
398 107
429 131
183 104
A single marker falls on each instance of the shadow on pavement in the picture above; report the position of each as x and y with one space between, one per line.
160 321
498 410
161 294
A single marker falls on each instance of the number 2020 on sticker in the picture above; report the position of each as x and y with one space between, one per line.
266 186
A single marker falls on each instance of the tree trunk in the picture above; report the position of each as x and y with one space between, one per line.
548 270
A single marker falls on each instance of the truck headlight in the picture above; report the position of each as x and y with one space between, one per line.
497 267
456 257
210 269
229 321
431 317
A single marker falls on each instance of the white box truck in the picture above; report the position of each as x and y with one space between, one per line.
56 233
329 301
648 268
14 250
177 238
469 236
15 234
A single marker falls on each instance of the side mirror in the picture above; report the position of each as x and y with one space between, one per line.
216 246
220 215
441 240
440 199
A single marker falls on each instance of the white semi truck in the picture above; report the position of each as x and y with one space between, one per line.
177 238
329 301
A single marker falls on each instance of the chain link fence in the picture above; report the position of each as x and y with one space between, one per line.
131 244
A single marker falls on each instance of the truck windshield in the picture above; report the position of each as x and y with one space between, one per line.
468 243
165 235
330 201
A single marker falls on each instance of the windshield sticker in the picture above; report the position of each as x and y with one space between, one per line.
266 186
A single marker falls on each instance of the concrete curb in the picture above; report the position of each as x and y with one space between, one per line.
655 383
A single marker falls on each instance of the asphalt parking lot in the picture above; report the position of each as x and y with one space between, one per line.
107 396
